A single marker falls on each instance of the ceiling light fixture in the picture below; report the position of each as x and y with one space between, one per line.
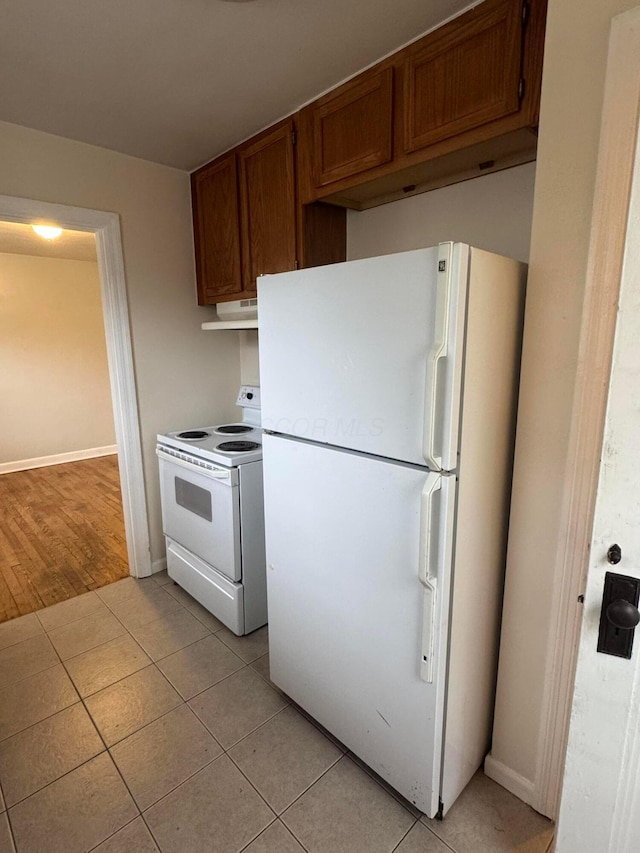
49 232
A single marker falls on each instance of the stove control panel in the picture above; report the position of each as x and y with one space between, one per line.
249 397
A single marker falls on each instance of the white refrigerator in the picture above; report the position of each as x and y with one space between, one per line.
389 390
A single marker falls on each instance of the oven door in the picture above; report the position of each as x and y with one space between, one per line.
201 509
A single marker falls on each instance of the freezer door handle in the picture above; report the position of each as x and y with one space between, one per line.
436 360
427 574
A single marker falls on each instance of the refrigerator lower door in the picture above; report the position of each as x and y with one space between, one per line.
368 354
358 580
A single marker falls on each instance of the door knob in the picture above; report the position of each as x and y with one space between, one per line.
623 614
619 615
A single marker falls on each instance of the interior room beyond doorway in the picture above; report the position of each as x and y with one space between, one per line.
62 529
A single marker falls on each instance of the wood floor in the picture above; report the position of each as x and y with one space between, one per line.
61 533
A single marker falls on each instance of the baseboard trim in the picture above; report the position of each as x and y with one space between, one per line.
509 779
56 459
158 566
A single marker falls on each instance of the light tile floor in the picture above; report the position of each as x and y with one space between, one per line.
132 720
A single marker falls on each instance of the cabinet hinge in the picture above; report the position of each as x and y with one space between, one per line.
295 266
294 137
521 89
525 13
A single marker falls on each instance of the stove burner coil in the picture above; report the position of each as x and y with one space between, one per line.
238 446
193 434
233 429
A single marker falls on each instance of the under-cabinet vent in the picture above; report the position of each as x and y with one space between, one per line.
242 309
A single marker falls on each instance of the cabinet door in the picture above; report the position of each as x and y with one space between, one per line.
216 226
463 75
268 204
353 127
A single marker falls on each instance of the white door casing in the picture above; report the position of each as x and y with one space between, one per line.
106 227
619 128
600 804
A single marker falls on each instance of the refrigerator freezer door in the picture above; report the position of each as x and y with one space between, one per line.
367 355
345 575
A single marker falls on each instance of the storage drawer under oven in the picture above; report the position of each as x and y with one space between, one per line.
220 597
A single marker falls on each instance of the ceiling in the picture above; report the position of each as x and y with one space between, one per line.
179 81
18 239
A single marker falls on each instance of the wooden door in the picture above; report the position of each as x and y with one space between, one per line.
216 227
463 75
353 127
268 204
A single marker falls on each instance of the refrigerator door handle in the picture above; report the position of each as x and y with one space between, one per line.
426 574
439 352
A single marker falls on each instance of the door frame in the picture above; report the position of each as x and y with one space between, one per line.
106 227
616 158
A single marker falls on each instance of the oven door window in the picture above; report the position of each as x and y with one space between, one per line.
193 498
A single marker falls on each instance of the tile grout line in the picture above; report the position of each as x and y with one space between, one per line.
100 735
124 826
404 836
225 751
46 669
159 618
208 764
57 779
268 826
253 731
115 764
75 619
407 804
135 731
141 812
301 794
11 832
111 758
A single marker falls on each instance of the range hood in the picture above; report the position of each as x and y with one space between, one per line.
242 314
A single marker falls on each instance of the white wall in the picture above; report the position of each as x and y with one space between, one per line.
54 384
572 91
492 212
185 377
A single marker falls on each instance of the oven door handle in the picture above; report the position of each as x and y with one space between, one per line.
206 469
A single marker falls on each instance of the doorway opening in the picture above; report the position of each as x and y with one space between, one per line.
62 526
70 462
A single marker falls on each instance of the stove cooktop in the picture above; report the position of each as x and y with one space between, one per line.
213 443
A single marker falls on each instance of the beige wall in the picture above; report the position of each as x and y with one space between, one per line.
249 367
573 82
54 384
492 212
184 376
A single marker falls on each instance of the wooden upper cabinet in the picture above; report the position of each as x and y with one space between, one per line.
464 74
268 203
353 127
216 226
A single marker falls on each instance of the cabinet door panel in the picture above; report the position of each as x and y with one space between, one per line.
216 228
268 202
353 128
464 75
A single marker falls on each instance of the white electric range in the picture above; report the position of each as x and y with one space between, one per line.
213 515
